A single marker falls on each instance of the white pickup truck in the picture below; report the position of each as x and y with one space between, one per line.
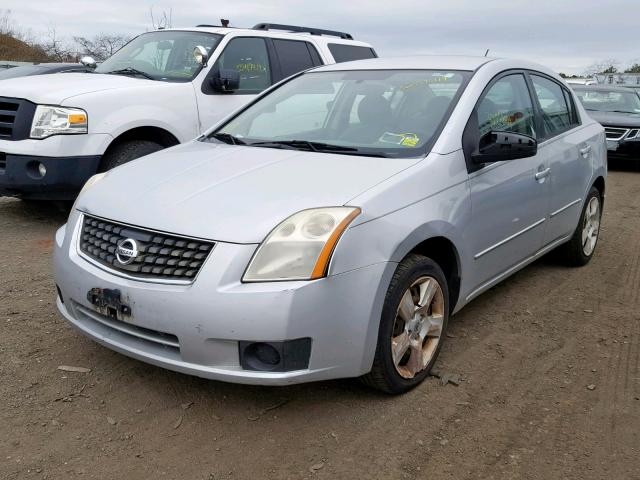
161 89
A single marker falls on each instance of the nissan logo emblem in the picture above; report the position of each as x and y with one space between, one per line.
127 251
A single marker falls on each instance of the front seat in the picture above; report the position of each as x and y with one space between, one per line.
374 115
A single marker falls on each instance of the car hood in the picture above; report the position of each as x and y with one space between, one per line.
55 88
614 119
230 193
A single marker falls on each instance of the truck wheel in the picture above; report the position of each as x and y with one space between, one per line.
127 151
412 326
580 249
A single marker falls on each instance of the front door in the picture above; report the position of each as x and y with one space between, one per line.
250 57
509 199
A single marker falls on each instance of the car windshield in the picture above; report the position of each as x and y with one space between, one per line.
386 113
163 55
609 100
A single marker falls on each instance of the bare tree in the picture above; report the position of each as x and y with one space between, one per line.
609 65
162 21
55 48
100 47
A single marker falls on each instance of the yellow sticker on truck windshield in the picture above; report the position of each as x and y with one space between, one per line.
404 139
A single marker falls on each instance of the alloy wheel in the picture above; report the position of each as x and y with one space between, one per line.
591 226
418 327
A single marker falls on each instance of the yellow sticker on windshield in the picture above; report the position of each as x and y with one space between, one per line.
404 139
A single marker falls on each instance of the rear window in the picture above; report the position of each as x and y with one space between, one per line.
347 53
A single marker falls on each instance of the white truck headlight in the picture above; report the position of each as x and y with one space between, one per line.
300 248
51 120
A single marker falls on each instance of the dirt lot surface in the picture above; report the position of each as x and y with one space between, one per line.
549 365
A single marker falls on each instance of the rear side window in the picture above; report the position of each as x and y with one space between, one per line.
557 115
347 53
507 107
295 56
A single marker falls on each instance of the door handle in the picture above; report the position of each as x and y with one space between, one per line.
543 173
585 151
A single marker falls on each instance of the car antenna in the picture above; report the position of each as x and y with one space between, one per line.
224 23
486 53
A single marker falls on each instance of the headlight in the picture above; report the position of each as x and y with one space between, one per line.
300 248
50 120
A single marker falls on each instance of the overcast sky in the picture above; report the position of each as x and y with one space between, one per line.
567 35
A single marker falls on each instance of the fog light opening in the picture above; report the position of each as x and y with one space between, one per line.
262 356
36 170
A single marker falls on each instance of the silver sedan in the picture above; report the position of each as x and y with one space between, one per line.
332 227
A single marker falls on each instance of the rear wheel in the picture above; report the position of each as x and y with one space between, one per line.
127 151
580 249
414 319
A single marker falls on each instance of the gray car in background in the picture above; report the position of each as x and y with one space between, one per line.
332 227
41 69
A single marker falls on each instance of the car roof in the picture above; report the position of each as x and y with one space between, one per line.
274 33
434 62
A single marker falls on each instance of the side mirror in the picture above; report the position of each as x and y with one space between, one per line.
226 81
88 62
500 146
201 55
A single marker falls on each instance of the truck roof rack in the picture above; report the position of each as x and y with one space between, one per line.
223 23
298 29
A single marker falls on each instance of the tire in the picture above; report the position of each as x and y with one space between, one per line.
127 151
413 274
576 252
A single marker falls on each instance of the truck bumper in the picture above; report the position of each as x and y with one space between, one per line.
45 178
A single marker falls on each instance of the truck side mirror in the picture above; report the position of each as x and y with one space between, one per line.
226 81
201 55
88 62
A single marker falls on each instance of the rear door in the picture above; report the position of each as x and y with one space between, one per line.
568 147
509 199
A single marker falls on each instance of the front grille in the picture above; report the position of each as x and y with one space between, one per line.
161 256
16 116
615 133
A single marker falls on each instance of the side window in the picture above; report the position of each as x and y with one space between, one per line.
248 56
346 53
294 56
507 107
556 116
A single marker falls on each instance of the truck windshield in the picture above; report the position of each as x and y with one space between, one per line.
383 113
163 55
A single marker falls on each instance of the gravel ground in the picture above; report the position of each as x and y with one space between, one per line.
549 385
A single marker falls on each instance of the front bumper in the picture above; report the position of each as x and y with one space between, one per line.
209 318
624 149
64 177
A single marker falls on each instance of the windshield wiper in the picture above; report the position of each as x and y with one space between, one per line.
131 71
305 145
622 111
228 138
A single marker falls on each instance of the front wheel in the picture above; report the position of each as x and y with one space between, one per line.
580 249
414 319
127 151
